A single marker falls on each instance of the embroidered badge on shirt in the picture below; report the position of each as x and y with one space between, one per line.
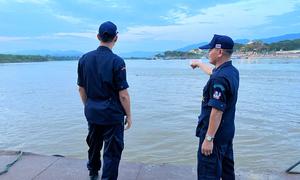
217 95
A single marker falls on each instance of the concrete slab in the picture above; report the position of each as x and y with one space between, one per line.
75 169
39 167
250 175
6 159
167 172
28 167
65 168
129 171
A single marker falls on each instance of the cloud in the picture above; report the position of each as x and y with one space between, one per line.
12 38
33 1
242 14
60 35
88 34
40 2
235 19
69 19
177 15
47 7
116 4
296 24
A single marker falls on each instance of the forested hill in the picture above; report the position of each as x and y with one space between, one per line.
258 47
9 58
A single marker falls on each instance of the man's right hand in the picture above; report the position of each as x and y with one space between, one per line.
194 63
128 122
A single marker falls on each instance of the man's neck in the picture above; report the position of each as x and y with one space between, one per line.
109 45
221 61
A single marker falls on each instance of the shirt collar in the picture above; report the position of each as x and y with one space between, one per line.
228 63
103 48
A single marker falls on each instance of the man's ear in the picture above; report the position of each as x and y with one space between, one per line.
98 37
116 38
220 52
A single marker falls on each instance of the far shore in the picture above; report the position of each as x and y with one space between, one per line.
173 58
236 55
243 57
274 55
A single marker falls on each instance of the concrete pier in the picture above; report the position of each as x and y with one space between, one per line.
40 167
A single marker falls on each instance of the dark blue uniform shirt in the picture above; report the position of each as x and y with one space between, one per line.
220 92
102 74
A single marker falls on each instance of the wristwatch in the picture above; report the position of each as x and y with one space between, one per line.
209 138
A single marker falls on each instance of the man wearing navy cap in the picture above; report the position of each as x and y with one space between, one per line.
216 122
103 91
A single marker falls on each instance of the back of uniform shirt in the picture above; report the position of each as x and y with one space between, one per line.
102 74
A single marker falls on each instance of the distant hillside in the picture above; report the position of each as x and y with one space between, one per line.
138 54
241 41
179 55
281 38
43 52
9 58
191 47
196 46
245 41
261 47
255 47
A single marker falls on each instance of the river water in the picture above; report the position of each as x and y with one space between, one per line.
41 112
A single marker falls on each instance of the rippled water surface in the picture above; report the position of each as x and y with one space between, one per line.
40 111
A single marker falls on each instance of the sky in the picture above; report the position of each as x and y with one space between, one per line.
142 25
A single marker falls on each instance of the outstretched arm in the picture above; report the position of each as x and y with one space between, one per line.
204 67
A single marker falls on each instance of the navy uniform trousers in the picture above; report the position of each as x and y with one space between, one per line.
220 164
113 138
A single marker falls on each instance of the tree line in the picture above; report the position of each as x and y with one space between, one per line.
261 47
254 46
9 58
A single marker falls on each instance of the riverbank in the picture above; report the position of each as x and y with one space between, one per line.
25 59
41 167
295 54
10 58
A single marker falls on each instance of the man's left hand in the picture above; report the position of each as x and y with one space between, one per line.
207 147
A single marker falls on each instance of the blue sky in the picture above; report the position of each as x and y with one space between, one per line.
143 25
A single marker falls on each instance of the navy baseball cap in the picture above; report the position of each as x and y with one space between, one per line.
219 41
108 28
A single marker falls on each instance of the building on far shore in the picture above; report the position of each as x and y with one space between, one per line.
288 54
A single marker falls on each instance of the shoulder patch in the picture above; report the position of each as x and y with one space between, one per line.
219 86
217 95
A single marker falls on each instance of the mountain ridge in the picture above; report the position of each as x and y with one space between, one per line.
245 41
149 54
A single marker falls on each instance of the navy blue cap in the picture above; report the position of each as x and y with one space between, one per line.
108 28
219 41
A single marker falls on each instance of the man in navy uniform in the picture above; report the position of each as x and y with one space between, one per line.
103 91
216 122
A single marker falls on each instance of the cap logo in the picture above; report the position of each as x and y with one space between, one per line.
218 46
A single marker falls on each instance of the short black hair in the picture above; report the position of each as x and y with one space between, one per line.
228 52
106 37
